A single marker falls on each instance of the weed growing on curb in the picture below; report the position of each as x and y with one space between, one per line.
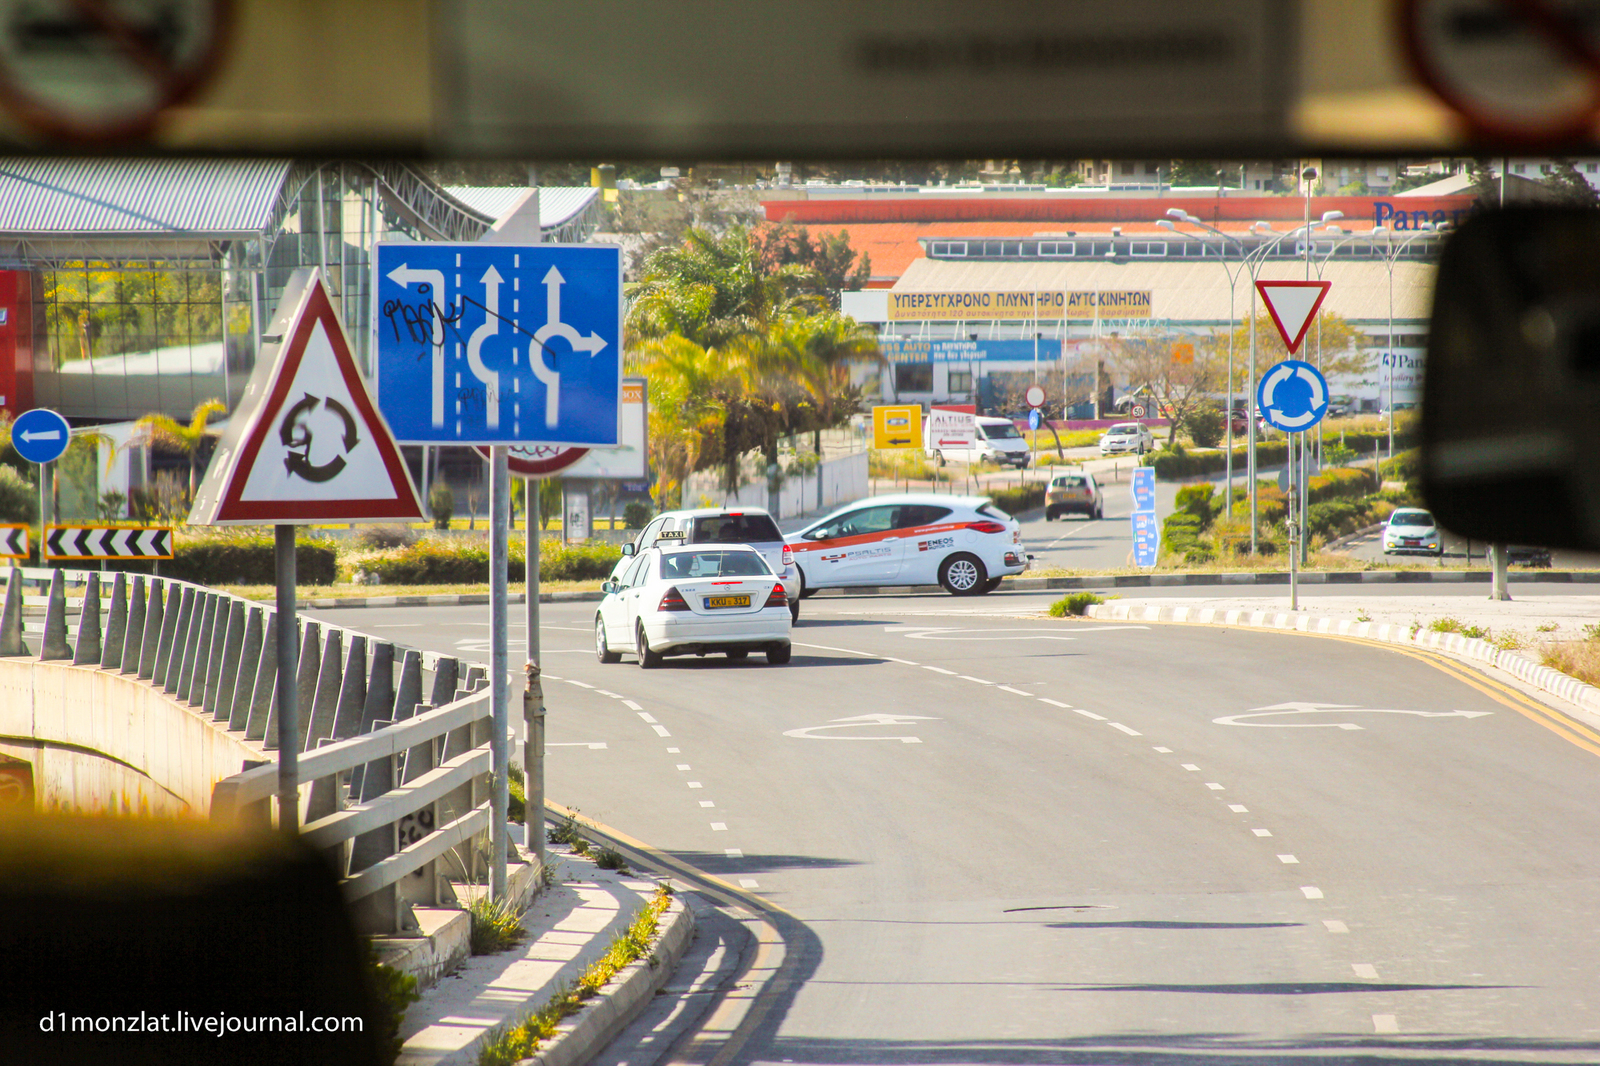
567 832
495 926
609 858
1547 627
1074 605
520 1040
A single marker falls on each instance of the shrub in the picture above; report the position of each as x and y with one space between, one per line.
19 498
636 514
442 503
1336 484
1336 518
446 561
377 538
1076 604
1180 532
495 926
248 557
1172 464
1196 500
1204 425
395 990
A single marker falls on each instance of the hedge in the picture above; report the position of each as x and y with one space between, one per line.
1174 464
1196 500
246 560
1014 501
440 561
1340 483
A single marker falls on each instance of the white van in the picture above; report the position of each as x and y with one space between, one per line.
997 441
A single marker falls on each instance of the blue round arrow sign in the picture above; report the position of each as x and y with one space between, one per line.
40 436
1292 396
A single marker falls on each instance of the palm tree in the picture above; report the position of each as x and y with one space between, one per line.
163 431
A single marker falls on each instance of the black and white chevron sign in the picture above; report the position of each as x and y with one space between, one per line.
107 542
13 542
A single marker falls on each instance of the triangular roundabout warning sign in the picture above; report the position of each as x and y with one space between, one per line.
1292 305
307 443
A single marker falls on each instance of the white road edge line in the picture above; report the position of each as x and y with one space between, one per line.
853 651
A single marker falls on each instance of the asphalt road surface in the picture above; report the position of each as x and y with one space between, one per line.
950 831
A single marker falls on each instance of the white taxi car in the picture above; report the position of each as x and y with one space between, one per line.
964 543
683 599
751 526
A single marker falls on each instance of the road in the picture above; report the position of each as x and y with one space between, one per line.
963 833
1369 547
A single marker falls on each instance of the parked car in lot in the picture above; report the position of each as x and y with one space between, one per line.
964 543
1527 555
1126 438
752 526
1073 494
1411 531
688 599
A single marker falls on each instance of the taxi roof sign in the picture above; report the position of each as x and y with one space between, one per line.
307 443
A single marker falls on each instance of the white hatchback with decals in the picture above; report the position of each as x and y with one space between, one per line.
964 543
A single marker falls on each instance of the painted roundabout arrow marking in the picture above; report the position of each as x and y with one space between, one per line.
1279 709
856 721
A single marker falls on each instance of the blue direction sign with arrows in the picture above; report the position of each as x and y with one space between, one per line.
40 436
499 343
1292 396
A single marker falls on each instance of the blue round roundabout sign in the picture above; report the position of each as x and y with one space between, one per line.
1292 396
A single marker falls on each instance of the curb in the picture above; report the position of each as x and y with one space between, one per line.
623 997
473 599
1542 677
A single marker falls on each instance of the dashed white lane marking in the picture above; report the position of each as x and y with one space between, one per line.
707 803
1125 729
1164 751
749 882
647 717
1311 893
1335 926
733 853
674 751
1288 860
979 680
1238 808
1056 703
553 677
1365 970
1385 1023
631 705
1089 714
694 784
661 730
1015 691
941 670
683 766
1213 786
603 692
719 827
1190 766
1262 832
580 684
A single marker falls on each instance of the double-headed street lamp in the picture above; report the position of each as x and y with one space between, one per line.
1251 261
1392 252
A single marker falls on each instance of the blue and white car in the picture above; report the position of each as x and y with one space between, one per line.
693 599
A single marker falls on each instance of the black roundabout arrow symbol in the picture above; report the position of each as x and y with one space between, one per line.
350 437
286 429
300 465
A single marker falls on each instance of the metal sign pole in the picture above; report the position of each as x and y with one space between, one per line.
499 746
533 707
287 690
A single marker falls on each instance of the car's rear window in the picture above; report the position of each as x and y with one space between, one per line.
734 529
994 512
713 564
1067 483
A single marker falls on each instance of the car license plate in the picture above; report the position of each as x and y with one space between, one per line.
713 602
1411 542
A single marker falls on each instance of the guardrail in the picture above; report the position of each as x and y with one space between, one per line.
394 787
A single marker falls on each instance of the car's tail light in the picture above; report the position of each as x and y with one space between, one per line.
673 601
788 557
987 527
777 597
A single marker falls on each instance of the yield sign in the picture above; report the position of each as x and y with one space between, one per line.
1292 305
307 443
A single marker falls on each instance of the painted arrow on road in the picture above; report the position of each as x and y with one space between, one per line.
1279 709
856 721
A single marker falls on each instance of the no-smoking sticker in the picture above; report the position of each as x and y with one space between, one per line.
1520 70
103 70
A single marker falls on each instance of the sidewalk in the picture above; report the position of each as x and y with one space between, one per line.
570 924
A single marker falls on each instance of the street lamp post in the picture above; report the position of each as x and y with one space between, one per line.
1391 254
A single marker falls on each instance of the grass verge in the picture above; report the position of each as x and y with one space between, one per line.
520 1040
1576 658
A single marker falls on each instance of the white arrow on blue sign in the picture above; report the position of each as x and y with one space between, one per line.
40 436
499 344
1292 396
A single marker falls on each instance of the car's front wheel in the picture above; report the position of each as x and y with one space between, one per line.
602 650
648 659
963 575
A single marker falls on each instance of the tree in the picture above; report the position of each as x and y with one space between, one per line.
1202 173
1485 184
167 433
1343 347
1180 370
836 266
1569 188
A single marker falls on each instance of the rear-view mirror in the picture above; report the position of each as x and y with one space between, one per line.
1511 398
